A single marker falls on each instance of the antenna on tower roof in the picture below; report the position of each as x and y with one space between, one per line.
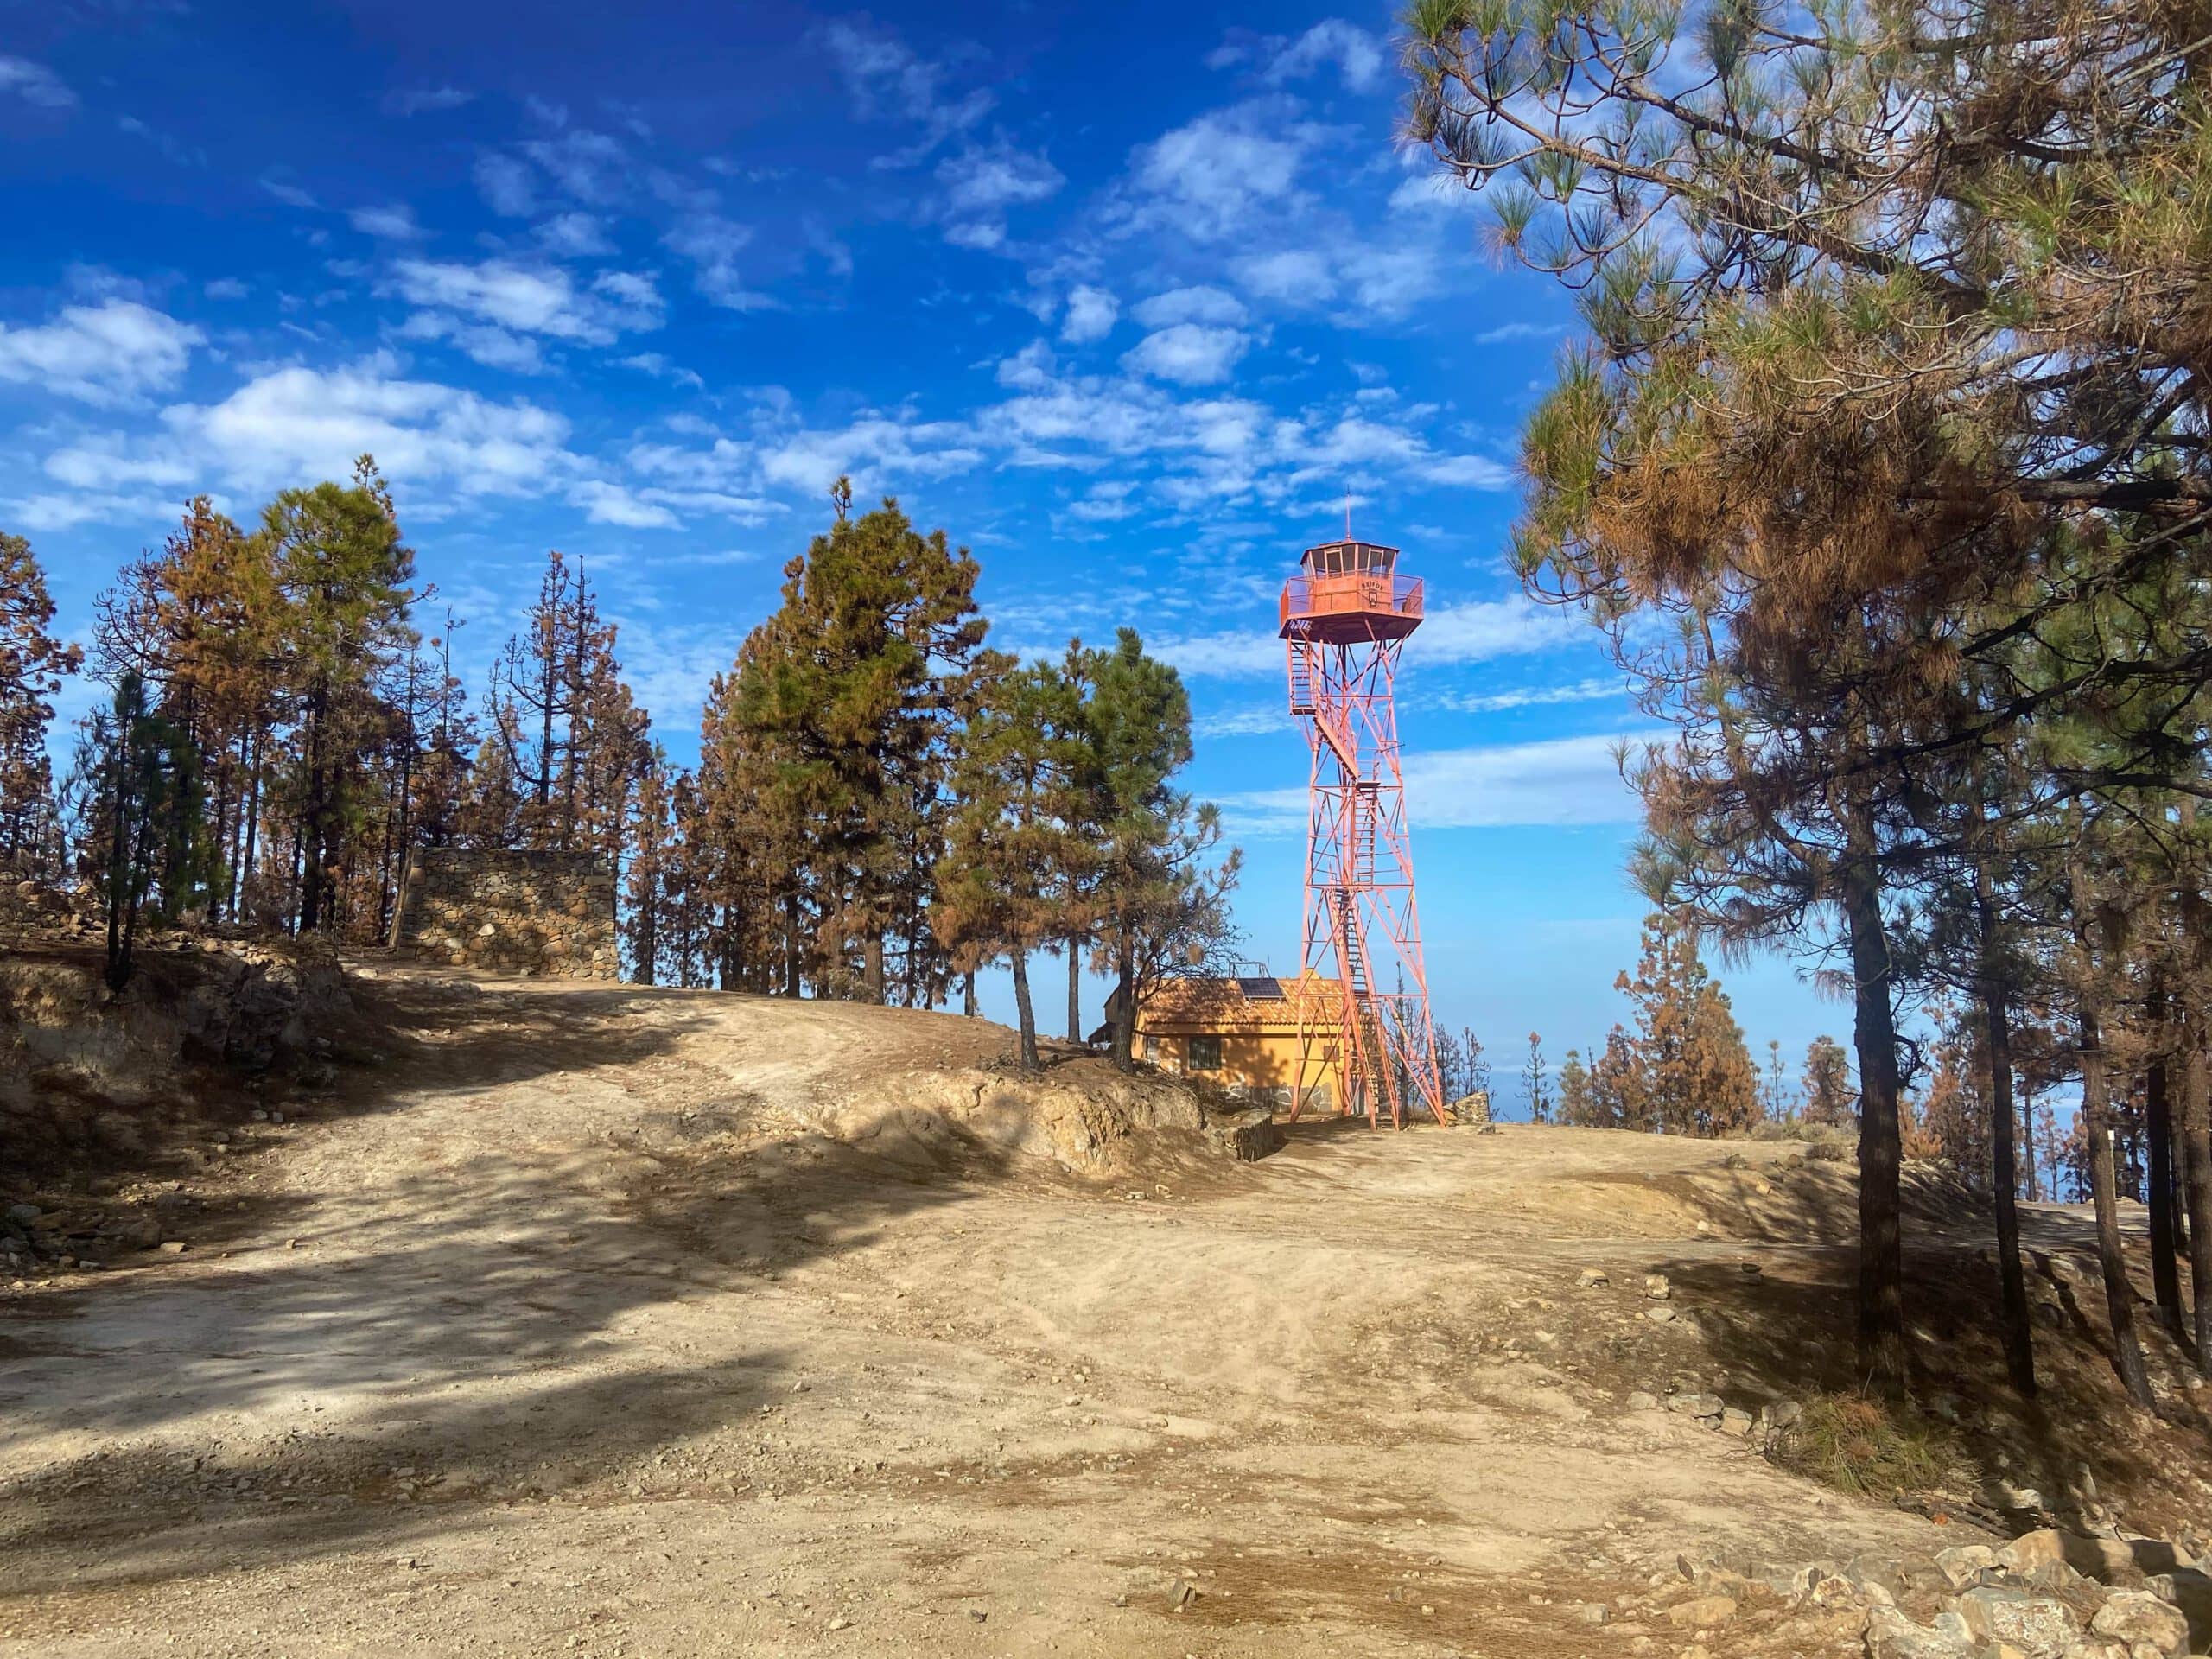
1347 512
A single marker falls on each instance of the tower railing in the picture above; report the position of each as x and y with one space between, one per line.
1327 595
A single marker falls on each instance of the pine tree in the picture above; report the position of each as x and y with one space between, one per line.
33 664
653 852
1694 1075
1003 883
1824 1086
1535 1081
146 845
341 574
1578 1104
1160 900
861 679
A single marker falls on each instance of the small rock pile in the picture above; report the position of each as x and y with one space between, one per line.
2044 1595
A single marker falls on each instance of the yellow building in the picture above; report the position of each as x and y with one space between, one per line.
1242 1034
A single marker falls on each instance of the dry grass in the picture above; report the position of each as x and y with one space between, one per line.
1863 1445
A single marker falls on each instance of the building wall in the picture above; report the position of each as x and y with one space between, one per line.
1264 1062
511 912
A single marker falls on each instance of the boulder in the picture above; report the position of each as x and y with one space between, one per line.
2152 1628
1701 1613
1963 1564
2036 1626
1890 1635
2190 1590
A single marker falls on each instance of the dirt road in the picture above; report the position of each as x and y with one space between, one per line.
568 1328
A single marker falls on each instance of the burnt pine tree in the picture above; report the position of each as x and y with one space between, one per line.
33 664
1806 430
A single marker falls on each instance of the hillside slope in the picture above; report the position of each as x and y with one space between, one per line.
652 1322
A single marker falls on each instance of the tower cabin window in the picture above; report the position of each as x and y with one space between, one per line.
1351 559
1203 1053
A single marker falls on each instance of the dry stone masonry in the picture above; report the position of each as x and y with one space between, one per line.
511 911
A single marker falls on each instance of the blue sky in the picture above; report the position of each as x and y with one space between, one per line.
1127 299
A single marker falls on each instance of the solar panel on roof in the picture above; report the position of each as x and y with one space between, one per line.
1264 987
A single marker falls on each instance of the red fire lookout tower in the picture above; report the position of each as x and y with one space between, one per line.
1345 617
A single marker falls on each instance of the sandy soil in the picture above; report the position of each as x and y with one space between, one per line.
595 1321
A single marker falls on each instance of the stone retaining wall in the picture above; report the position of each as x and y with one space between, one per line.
522 912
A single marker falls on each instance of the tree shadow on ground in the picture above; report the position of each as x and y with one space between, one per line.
453 1318
1785 1335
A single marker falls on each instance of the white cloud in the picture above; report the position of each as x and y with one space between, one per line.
289 194
612 504
1187 353
1032 368
1356 53
661 368
287 425
986 180
509 187
872 449
416 101
1469 472
1277 58
1243 722
1430 192
298 423
1237 655
1476 631
1534 697
392 223
226 288
1390 280
112 352
1509 331
712 244
1210 305
590 166
981 182
1091 311
574 236
530 300
888 80
34 84
487 343
1297 275
1567 781
1213 177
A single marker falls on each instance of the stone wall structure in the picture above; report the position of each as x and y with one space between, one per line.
511 911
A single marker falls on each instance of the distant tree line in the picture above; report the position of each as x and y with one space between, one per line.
882 805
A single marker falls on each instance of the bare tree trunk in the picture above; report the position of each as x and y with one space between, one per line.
1075 990
1882 1355
2158 1128
968 995
1125 1010
2196 1147
2020 1330
1025 1012
2112 1255
872 967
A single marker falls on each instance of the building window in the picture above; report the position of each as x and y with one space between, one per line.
1150 1049
1203 1053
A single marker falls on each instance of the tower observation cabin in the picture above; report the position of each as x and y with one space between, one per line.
1349 594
